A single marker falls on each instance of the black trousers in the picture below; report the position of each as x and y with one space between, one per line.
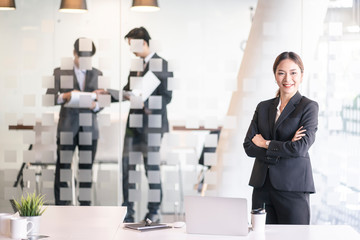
282 207
138 143
82 166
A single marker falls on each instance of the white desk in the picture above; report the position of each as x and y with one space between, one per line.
105 223
272 232
80 223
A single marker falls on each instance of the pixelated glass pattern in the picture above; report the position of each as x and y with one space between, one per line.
85 119
48 100
135 158
210 159
47 119
155 65
48 82
84 194
67 63
136 83
154 139
155 102
66 81
29 100
154 176
136 102
85 45
154 195
136 45
10 156
85 138
104 100
84 175
154 158
66 138
85 101
66 156
85 63
65 175
136 120
154 120
134 176
66 194
85 157
29 137
103 82
29 119
137 65
134 195
211 140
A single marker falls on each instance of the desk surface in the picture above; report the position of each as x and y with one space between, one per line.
105 223
272 232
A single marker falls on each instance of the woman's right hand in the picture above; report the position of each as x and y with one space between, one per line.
299 134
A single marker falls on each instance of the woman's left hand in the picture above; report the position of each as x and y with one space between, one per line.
259 141
299 134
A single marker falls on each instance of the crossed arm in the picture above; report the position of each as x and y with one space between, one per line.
259 141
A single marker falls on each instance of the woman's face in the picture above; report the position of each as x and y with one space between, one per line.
288 76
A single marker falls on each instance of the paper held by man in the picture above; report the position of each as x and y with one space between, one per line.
144 86
81 99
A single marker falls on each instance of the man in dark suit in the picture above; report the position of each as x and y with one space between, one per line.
146 125
77 126
279 137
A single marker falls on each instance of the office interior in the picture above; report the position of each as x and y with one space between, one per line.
221 54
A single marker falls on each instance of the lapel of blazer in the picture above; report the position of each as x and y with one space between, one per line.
272 115
290 107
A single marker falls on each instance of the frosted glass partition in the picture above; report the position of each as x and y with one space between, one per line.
35 41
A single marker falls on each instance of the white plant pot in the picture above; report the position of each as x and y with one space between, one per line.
36 225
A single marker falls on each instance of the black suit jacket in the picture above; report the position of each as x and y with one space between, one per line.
288 162
162 91
69 117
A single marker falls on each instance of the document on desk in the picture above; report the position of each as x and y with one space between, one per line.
149 83
81 100
144 227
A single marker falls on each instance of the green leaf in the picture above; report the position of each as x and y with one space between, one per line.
32 205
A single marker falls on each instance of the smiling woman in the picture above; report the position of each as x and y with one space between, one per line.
288 70
279 137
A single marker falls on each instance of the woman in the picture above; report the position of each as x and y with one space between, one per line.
279 137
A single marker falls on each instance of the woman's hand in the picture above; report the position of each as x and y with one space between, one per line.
299 134
259 141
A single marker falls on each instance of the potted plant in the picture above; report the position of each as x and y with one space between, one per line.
31 208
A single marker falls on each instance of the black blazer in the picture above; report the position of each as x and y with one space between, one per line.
69 117
288 162
162 91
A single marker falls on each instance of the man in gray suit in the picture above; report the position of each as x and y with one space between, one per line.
77 126
145 127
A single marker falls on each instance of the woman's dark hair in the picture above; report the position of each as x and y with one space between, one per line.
84 53
288 55
139 33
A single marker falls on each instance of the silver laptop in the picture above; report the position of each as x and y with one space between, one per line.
216 215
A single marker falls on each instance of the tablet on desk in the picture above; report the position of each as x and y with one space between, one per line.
145 227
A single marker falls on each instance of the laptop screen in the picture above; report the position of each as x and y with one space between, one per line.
216 215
